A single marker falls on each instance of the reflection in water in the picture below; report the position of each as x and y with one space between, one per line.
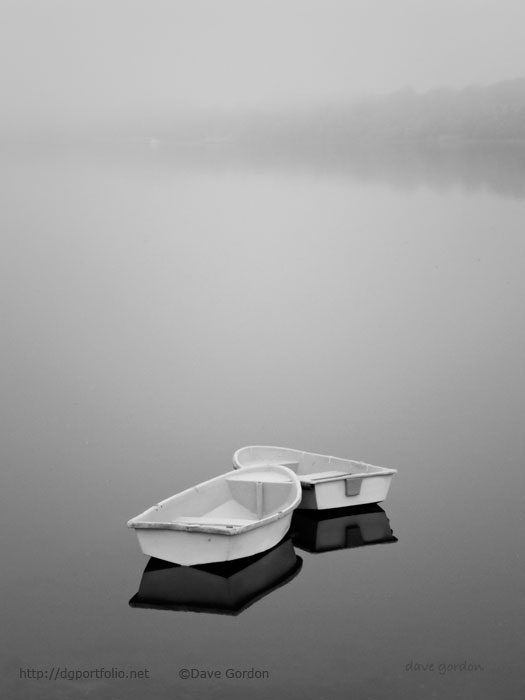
499 168
340 528
225 588
441 165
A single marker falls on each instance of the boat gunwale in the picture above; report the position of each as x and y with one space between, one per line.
219 529
344 477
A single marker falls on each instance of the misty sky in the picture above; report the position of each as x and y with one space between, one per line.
68 61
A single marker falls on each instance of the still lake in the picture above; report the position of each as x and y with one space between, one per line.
159 312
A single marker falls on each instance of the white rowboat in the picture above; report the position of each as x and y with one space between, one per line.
327 482
234 515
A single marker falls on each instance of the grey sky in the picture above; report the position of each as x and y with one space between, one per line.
70 60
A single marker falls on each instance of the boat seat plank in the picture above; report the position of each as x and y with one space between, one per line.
261 476
212 520
319 476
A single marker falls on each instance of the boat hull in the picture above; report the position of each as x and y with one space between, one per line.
191 548
333 494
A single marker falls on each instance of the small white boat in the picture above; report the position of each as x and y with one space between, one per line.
234 515
327 482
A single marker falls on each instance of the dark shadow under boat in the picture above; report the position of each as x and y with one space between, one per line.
226 588
340 528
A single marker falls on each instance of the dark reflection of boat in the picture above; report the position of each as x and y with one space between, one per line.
225 587
340 528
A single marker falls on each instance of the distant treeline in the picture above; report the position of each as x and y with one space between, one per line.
477 113
495 112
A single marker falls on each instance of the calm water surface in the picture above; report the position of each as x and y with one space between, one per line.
157 316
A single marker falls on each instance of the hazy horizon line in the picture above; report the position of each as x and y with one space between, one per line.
182 114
